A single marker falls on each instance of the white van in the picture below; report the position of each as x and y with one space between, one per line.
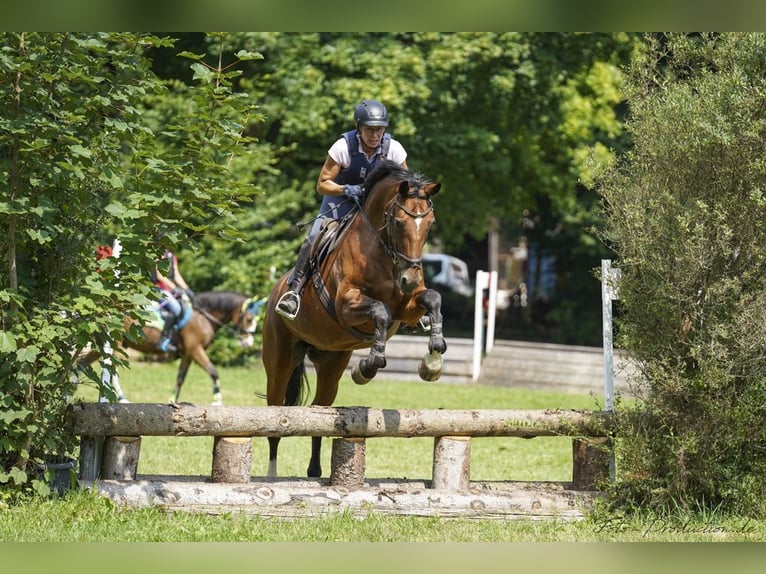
445 272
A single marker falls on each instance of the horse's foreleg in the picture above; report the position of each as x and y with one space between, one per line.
430 368
368 367
330 367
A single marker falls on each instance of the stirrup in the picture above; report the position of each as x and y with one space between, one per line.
166 346
286 313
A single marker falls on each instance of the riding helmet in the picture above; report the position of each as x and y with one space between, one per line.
371 113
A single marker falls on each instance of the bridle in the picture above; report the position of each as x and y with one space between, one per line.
389 220
245 308
238 327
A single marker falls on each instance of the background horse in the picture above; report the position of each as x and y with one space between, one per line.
369 284
212 310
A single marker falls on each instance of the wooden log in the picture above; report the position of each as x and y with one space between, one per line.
348 462
120 457
232 459
312 498
590 463
91 454
189 420
452 463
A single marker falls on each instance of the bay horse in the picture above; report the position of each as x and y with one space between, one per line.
212 310
368 283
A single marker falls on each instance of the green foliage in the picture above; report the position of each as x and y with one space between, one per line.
83 157
686 216
511 123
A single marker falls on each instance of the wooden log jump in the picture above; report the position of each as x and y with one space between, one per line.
152 419
110 441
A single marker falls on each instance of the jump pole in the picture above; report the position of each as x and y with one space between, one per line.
610 278
484 280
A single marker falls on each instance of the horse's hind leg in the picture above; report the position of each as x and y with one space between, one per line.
183 369
200 357
330 367
282 358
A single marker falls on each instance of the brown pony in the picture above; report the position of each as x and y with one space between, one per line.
368 283
211 311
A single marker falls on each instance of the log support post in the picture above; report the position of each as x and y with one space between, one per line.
590 463
348 462
452 463
91 453
232 459
120 460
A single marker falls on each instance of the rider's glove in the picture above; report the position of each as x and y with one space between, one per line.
353 191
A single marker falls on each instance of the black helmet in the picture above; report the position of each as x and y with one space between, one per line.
370 113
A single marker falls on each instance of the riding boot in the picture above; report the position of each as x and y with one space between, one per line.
290 302
165 344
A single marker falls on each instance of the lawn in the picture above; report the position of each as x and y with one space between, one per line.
83 516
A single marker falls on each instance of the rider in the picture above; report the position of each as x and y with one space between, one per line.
169 284
349 160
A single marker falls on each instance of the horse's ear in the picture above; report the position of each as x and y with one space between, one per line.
435 189
404 190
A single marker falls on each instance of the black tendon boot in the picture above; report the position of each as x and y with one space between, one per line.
290 302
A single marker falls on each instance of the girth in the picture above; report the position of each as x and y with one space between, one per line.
326 242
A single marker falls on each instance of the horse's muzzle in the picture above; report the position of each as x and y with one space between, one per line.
410 278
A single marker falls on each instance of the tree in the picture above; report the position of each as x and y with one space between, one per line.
685 214
80 160
509 122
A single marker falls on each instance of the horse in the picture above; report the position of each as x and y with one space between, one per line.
367 283
211 311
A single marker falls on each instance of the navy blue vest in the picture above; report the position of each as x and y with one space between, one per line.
360 167
336 206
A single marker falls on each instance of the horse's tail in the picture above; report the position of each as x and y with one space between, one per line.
297 386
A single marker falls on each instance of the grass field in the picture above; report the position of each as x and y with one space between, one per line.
82 516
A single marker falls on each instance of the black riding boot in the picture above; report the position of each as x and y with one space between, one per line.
290 303
164 344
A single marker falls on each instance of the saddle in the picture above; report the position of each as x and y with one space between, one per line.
158 313
328 238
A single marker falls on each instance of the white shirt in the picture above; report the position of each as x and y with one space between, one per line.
339 152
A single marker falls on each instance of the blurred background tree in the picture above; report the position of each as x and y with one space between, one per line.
510 123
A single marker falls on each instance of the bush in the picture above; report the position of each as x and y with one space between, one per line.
80 161
685 214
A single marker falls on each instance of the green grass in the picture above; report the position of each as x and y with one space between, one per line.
83 516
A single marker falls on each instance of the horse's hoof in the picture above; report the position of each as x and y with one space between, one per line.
217 400
358 377
430 368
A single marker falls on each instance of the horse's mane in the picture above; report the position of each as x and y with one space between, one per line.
386 168
219 300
